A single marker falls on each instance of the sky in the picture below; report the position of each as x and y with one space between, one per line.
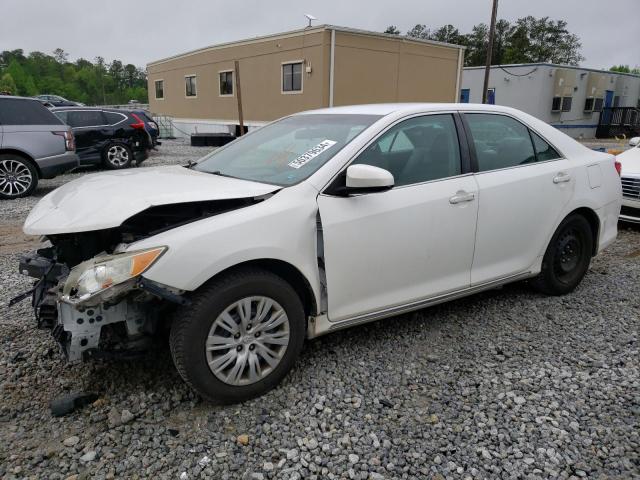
140 31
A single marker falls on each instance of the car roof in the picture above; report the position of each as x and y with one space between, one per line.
389 108
104 109
15 97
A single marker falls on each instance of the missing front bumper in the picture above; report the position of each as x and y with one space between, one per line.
79 330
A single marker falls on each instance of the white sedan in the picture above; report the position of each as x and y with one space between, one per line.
630 163
316 222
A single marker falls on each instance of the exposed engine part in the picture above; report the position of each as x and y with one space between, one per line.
74 248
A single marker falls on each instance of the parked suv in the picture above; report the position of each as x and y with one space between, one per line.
113 138
34 144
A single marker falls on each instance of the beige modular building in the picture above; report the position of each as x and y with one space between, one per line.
305 69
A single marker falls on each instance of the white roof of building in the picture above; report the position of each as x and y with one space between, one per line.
552 65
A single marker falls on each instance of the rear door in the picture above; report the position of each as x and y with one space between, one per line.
88 127
524 185
415 241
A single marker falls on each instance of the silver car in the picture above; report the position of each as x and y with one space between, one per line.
34 144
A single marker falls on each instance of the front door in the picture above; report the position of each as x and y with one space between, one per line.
524 185
411 242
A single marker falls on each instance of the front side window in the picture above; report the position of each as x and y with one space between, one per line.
159 89
417 150
500 141
287 151
226 83
292 77
190 86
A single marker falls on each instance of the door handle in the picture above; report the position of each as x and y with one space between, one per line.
562 177
461 196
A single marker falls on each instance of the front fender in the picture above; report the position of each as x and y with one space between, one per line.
282 228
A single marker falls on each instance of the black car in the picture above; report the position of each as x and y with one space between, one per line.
150 124
58 101
113 138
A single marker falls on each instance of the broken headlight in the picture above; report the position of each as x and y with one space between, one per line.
101 273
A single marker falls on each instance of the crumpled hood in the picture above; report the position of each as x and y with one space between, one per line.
106 199
630 161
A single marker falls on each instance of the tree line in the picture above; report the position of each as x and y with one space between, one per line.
527 40
92 83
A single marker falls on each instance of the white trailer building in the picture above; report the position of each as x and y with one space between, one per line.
569 98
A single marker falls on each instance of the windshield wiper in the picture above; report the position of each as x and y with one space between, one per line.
191 163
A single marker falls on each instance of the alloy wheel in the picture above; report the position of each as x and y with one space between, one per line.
15 178
117 155
247 340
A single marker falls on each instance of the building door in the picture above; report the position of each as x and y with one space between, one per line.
608 99
491 96
464 95
608 102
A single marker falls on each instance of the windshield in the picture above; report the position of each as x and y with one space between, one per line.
287 151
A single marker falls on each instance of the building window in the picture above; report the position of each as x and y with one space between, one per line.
159 89
597 105
190 86
566 104
588 104
292 77
226 83
555 104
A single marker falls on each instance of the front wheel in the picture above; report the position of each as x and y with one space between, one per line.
239 337
18 177
567 257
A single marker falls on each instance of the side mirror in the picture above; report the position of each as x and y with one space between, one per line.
368 179
634 142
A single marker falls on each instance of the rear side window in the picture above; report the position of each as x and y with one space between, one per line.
85 118
15 111
500 141
113 118
544 151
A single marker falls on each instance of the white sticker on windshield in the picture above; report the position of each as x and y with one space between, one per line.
312 153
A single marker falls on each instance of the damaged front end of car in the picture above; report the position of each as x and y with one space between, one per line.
90 290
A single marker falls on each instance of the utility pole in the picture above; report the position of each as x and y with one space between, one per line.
239 96
492 34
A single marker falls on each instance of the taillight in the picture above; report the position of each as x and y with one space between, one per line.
139 125
69 141
618 167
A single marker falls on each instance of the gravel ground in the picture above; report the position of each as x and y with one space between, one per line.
504 384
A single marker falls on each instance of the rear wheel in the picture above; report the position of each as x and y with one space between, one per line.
117 155
239 337
18 176
567 258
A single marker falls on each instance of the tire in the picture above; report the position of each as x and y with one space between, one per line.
567 257
18 176
117 155
198 339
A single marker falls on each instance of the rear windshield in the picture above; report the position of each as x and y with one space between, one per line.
16 111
